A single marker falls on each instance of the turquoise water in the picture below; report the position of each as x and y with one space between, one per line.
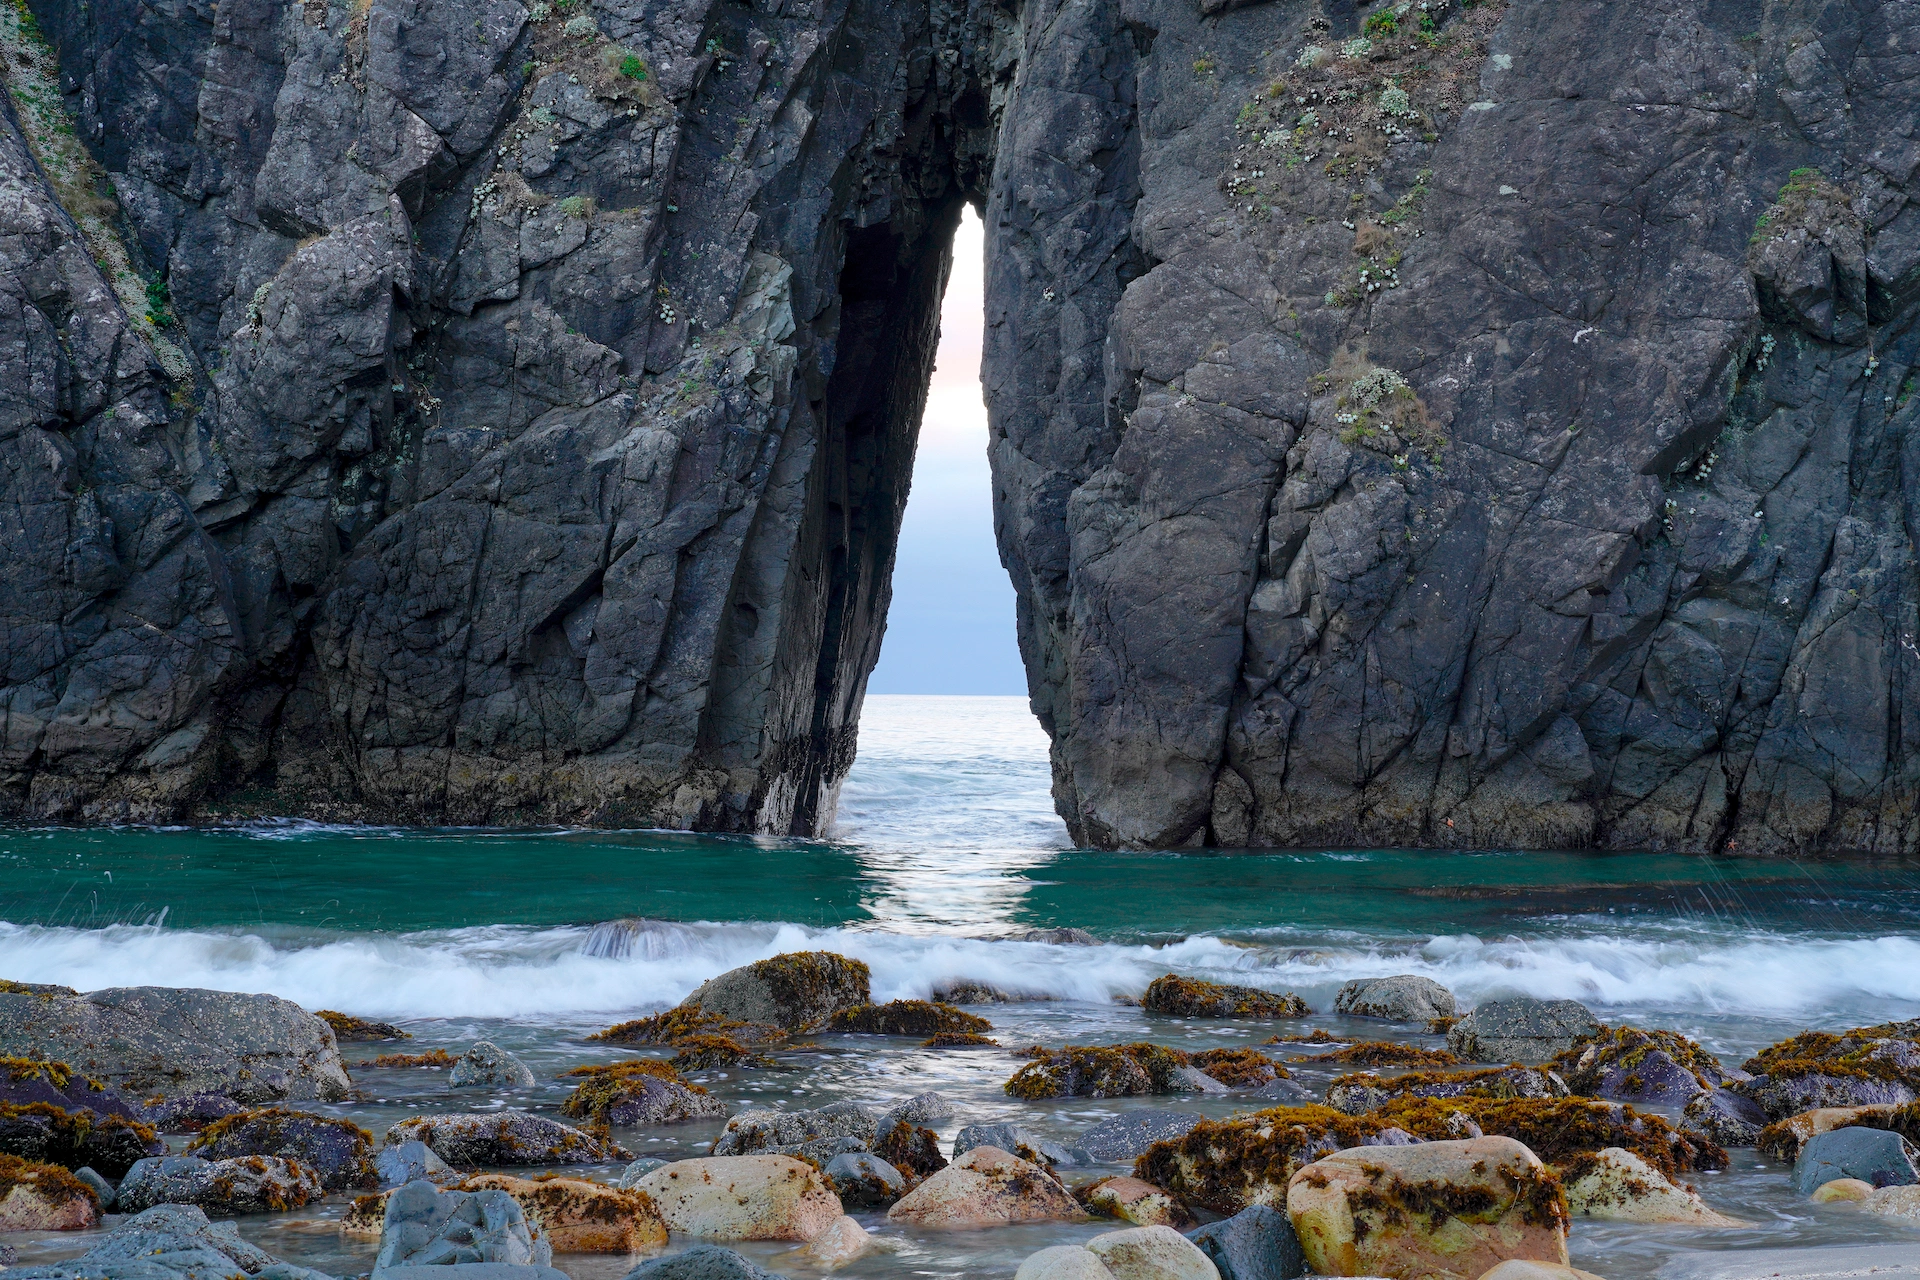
945 854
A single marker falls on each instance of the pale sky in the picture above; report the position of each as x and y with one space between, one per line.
950 629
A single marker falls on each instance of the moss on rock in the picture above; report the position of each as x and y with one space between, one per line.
698 1053
1387 1053
346 1027
907 1018
958 1040
1178 997
1239 1068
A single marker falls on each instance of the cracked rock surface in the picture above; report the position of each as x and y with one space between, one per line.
1405 428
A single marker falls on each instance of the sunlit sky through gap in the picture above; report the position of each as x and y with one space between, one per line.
950 629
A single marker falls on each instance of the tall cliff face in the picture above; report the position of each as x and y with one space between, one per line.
1448 424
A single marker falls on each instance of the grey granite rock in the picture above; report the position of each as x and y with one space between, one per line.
861 1178
921 1109
751 1131
428 1227
1405 998
1018 1140
248 1184
1730 1119
179 1041
631 1175
1875 1156
339 1151
487 1064
405 1162
649 1100
1126 1136
101 1187
1258 1243
168 1242
504 1138
533 439
1520 1029
702 1262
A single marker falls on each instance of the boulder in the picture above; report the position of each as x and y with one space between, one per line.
760 1197
245 1184
863 1179
1445 1210
1877 1156
1403 998
191 1113
406 1162
102 1189
1618 1186
426 1226
168 1242
44 1197
339 1151
1177 997
1844 1190
1128 1135
1258 1243
1022 1142
751 1131
1287 1093
912 1150
1107 1071
488 1065
49 1134
843 1241
1783 1139
347 1028
1132 1200
1151 1253
920 1109
986 1187
631 1175
173 1042
794 991
1191 1080
1521 1029
1628 1064
1723 1116
644 1091
25 1081
504 1138
917 1018
582 1217
1363 1091
974 991
1889 1202
702 1262
1817 1069
1062 1262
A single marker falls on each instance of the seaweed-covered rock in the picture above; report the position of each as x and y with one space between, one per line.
1226 1165
986 1187
1178 997
760 1197
339 1151
1131 1200
1723 1116
26 1081
1258 1243
706 1053
576 1216
862 1178
1384 1053
1521 1029
39 1131
1627 1064
907 1018
1876 1156
959 1040
244 1184
1403 998
910 1148
1783 1139
1130 1070
974 991
504 1138
487 1064
1618 1186
44 1197
1365 1091
642 1091
406 1162
347 1028
1238 1068
177 1041
1023 1142
191 1113
425 1225
1862 1067
683 1022
748 1132
1438 1210
921 1108
798 990
1127 1135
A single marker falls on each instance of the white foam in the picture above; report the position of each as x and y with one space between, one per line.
569 973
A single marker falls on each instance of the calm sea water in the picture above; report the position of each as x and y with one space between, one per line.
945 852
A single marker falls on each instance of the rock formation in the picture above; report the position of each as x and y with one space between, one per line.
1470 423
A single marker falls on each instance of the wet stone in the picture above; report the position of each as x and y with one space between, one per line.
1127 1136
1018 1140
1876 1156
860 1178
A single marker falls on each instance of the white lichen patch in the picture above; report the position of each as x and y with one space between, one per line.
31 77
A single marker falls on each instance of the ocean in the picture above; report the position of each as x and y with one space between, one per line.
945 852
